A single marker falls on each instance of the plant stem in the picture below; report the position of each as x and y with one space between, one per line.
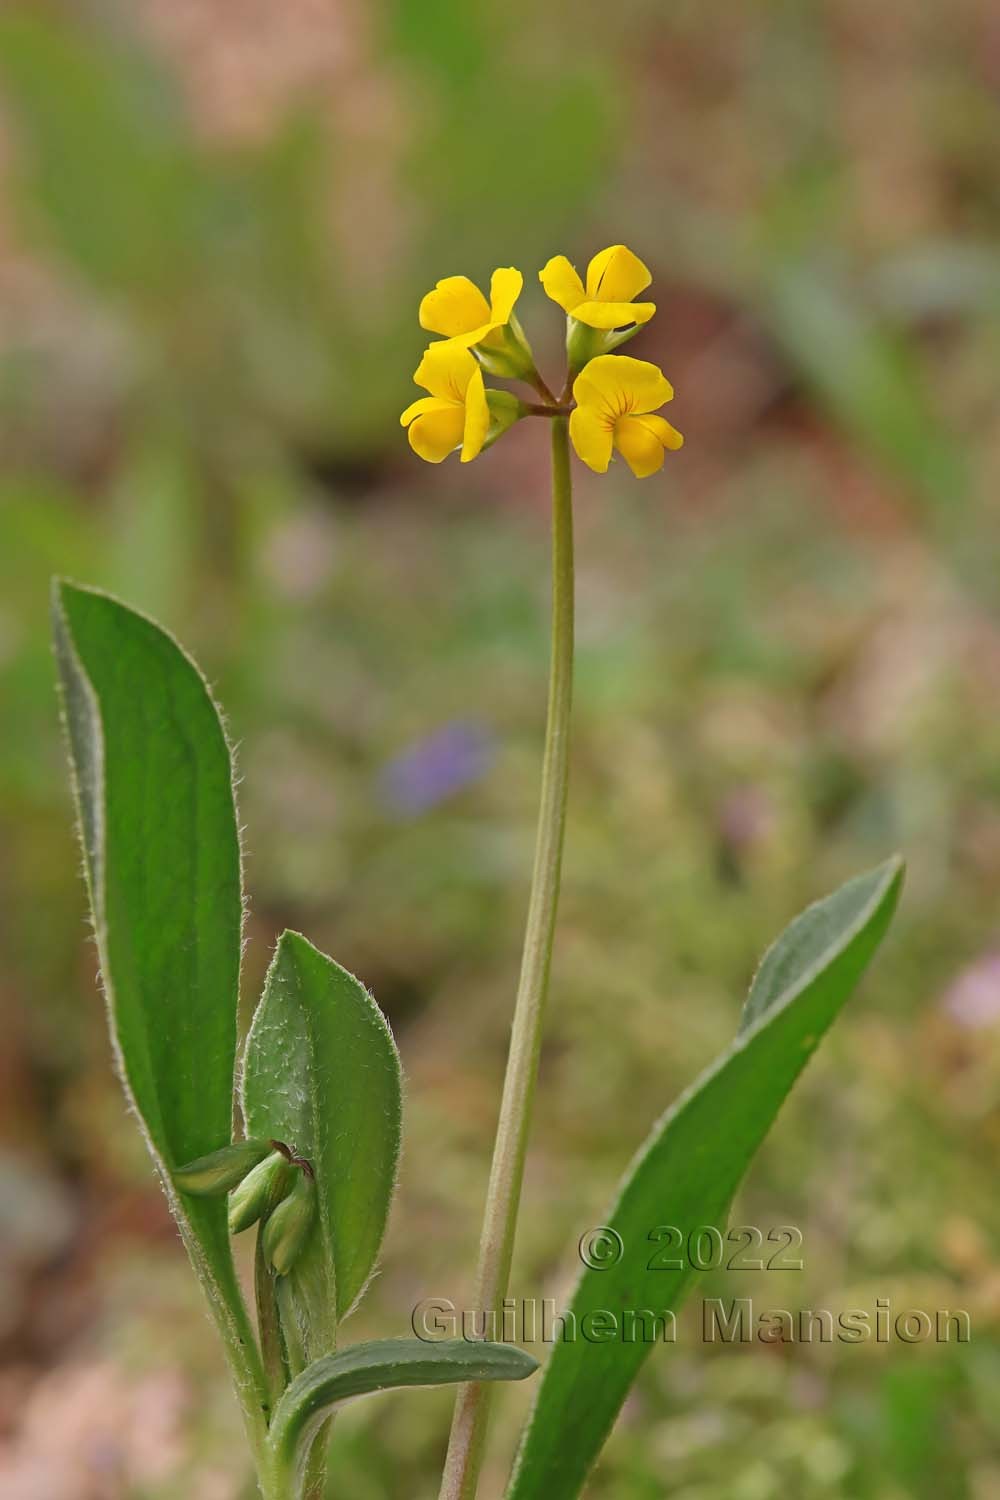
539 384
268 1327
496 1246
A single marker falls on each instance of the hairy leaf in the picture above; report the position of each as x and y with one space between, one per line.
382 1365
153 782
810 943
321 1073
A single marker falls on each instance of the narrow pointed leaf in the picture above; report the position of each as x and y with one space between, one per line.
153 782
385 1364
810 943
322 1074
688 1170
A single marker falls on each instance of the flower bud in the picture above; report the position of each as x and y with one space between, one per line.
288 1228
212 1175
259 1192
505 410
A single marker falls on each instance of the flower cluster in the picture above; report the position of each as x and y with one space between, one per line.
610 399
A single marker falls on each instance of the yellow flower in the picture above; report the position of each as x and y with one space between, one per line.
615 397
457 308
455 414
613 278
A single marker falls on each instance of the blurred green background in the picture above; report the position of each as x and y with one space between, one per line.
215 225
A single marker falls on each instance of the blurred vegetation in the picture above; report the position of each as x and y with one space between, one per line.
216 225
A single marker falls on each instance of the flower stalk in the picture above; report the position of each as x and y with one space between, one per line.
468 1432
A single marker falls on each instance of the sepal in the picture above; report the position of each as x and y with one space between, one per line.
506 353
584 343
505 410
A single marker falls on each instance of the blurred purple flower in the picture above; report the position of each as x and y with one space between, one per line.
973 998
746 817
436 767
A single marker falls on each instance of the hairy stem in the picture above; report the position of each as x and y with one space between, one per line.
496 1246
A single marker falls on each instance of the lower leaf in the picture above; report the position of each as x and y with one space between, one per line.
384 1364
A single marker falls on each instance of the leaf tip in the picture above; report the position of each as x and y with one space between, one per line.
293 942
892 872
58 587
526 1364
63 588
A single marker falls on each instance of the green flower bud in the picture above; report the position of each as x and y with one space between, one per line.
212 1175
259 1192
287 1230
505 410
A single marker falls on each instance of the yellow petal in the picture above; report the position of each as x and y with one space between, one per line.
616 275
648 386
423 404
592 437
613 314
477 418
662 430
562 283
435 434
599 388
474 336
616 385
641 449
455 306
446 370
505 288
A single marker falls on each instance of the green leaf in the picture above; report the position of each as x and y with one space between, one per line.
321 1073
810 943
688 1170
153 782
385 1364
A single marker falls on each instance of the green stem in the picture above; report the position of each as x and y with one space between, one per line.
268 1326
242 1353
534 379
496 1246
